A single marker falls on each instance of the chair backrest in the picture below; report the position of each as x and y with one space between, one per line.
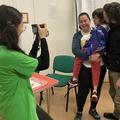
63 63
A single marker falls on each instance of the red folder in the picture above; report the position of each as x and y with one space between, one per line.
41 82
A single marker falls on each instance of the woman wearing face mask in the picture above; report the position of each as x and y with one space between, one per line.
85 75
17 101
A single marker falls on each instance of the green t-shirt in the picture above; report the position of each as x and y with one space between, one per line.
17 101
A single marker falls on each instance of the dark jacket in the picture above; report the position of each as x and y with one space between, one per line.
112 57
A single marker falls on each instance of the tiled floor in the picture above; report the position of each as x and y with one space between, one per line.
57 104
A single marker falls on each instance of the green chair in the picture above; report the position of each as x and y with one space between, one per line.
62 67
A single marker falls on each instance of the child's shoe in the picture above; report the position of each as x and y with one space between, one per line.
94 96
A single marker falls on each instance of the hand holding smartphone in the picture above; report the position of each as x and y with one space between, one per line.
40 29
43 31
35 27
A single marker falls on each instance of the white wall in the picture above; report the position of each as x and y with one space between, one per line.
8 2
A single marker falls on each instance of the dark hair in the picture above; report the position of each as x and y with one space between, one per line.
10 18
112 11
83 13
99 13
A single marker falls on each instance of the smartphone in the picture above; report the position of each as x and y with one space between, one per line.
35 28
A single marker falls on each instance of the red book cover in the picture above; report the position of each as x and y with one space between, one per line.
41 82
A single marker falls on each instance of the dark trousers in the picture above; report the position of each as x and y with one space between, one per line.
85 85
42 115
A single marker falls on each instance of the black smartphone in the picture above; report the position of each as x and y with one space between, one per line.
35 28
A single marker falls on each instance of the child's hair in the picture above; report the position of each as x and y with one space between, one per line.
98 13
10 18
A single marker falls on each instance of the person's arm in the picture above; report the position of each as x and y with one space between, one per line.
35 47
43 58
76 48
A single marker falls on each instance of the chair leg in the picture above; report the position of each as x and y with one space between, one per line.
68 91
52 90
41 98
67 99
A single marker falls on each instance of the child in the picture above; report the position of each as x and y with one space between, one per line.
91 45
